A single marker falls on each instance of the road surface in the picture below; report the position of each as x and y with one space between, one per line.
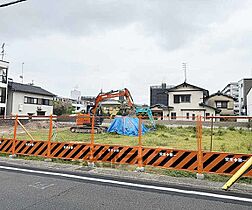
33 188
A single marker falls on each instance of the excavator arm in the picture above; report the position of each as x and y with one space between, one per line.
148 111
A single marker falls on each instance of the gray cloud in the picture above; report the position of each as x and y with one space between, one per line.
171 23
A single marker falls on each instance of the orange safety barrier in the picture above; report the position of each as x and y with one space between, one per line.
195 161
212 162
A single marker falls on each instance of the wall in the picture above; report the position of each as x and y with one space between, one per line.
18 101
249 103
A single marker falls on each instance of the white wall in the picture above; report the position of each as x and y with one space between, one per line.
249 103
18 106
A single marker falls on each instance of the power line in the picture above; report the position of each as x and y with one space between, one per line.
10 3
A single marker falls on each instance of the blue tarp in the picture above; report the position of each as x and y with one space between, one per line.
126 126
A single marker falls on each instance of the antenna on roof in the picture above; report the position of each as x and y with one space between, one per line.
2 52
184 69
22 75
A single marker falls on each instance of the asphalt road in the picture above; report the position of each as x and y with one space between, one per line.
36 189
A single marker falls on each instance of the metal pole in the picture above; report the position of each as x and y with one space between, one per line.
92 141
49 137
199 145
211 143
140 158
14 136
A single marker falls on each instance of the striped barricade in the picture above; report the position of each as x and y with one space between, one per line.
116 154
71 151
31 148
5 145
224 163
169 158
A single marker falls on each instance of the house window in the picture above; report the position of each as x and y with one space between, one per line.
3 76
30 100
193 116
187 115
173 115
221 104
182 99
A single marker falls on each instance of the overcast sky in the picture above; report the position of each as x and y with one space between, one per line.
112 44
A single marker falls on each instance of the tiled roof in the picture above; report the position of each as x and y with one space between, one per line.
26 88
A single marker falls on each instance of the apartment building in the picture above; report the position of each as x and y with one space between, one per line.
3 87
158 94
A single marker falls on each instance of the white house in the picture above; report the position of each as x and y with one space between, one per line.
186 101
27 99
3 86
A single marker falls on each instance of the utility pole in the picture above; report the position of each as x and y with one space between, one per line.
184 68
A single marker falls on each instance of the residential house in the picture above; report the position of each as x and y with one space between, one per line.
160 111
224 103
187 101
3 86
28 99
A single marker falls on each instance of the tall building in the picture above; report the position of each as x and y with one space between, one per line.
244 87
3 86
159 94
239 90
232 89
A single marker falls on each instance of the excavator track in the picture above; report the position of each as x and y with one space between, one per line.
88 129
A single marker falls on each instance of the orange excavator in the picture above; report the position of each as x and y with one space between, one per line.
84 121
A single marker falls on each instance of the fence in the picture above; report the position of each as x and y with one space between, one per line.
87 148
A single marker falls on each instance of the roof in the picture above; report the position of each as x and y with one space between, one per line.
187 84
205 105
27 88
220 94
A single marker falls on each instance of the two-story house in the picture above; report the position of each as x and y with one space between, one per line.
3 86
224 103
187 101
27 99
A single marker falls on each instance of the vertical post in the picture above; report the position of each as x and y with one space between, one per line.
199 145
140 167
50 137
14 136
92 143
211 143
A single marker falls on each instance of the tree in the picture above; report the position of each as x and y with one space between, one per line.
61 108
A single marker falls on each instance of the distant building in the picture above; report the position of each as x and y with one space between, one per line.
75 95
244 86
232 89
224 103
158 94
239 91
27 99
3 86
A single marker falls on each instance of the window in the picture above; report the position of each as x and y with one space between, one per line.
30 100
187 115
3 76
193 116
2 95
221 104
173 115
182 99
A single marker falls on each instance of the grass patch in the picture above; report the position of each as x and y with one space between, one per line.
224 140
